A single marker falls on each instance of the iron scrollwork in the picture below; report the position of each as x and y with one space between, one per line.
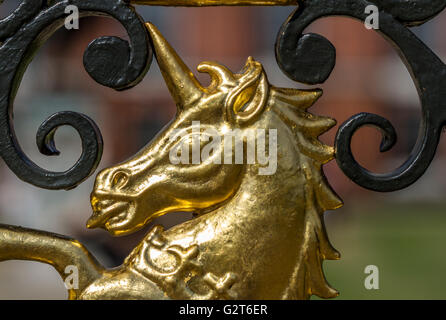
310 58
306 58
21 34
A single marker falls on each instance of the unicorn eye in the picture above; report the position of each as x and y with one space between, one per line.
120 179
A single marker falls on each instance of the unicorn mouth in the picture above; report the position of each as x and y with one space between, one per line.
117 220
111 213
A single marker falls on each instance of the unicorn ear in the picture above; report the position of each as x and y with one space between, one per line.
248 100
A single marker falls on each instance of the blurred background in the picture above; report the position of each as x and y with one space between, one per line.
402 233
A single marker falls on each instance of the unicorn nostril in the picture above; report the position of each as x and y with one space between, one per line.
120 179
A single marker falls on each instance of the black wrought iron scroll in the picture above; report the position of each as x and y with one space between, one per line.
307 58
110 61
310 58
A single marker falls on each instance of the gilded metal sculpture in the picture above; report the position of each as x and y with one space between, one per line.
253 236
218 254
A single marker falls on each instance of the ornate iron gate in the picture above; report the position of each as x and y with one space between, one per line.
211 256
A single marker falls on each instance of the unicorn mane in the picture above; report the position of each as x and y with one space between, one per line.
319 196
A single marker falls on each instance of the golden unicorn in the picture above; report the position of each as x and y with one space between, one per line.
253 236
